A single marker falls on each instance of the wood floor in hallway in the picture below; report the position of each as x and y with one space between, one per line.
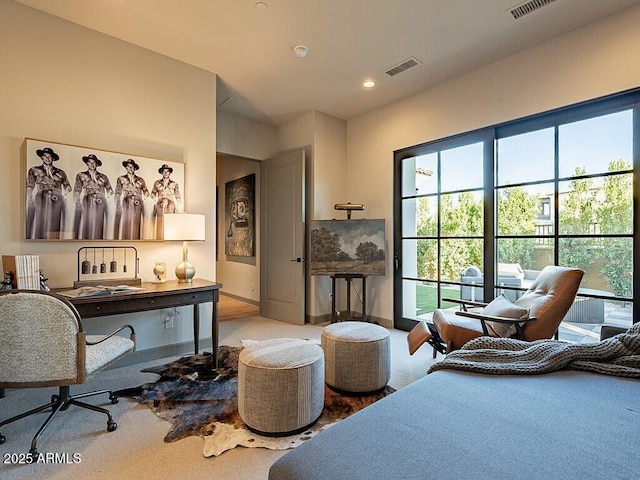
230 309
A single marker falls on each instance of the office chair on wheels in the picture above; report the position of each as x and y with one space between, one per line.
44 344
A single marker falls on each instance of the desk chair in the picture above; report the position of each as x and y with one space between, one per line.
43 344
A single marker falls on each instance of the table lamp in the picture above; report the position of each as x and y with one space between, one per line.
184 227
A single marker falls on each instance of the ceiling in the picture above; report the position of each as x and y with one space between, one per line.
349 41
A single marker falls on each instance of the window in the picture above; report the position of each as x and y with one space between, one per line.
553 189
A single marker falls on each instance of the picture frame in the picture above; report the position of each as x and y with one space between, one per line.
84 193
240 236
347 247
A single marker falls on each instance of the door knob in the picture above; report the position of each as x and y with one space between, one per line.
298 260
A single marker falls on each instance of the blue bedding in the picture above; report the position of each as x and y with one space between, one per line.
460 425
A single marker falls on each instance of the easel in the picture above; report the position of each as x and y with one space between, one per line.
349 277
349 207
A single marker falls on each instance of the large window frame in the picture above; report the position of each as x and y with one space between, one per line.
629 100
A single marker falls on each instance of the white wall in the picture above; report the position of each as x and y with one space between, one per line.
324 139
68 84
240 277
243 137
584 64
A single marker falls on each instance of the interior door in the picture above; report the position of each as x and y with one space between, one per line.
282 234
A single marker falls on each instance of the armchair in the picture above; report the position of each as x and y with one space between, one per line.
43 344
535 315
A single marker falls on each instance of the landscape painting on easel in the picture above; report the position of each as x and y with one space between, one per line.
347 246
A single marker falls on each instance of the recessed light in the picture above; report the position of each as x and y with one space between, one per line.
369 84
261 6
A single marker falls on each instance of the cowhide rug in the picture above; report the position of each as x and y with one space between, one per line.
203 402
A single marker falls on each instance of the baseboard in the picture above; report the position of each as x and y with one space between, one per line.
317 320
326 318
239 298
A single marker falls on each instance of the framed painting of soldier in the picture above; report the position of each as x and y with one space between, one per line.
83 193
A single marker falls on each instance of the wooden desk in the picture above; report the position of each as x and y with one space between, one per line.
156 296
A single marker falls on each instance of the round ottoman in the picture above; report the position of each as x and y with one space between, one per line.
280 386
357 356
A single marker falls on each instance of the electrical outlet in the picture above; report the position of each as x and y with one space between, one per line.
168 322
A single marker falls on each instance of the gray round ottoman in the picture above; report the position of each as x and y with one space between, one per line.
280 386
357 356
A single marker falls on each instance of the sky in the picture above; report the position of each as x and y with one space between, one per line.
591 143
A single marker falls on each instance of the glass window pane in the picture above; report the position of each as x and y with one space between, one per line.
462 167
526 210
607 263
596 145
532 254
449 291
419 299
618 313
473 280
457 255
595 206
527 157
420 259
419 217
420 175
462 214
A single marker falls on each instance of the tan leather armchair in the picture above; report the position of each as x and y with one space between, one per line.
546 302
43 344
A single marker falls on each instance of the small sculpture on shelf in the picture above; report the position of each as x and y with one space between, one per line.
43 282
160 272
7 282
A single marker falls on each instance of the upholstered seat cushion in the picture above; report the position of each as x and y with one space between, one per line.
106 352
454 329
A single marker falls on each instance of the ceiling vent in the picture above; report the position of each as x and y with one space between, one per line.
406 65
527 7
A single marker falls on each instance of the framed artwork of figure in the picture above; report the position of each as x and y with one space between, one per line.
83 193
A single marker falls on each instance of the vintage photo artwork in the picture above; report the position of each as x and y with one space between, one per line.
239 216
82 193
347 246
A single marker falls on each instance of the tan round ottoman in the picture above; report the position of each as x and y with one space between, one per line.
357 356
280 386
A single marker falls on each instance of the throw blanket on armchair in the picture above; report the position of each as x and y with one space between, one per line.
618 355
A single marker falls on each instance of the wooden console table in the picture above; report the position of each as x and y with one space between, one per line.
156 296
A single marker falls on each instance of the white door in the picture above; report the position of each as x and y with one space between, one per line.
282 231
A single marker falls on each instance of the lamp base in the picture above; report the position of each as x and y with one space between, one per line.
185 272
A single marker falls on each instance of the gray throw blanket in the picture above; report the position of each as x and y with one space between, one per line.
618 355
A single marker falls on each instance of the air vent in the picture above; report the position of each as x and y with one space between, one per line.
527 7
406 65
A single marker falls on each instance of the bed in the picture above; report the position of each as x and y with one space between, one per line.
457 424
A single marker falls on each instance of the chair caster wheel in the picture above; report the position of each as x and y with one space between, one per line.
114 399
111 426
2 439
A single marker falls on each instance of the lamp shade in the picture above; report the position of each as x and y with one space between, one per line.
184 227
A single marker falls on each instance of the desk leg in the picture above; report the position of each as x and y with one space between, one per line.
1 392
196 327
214 332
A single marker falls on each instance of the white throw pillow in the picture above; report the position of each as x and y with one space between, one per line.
501 306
